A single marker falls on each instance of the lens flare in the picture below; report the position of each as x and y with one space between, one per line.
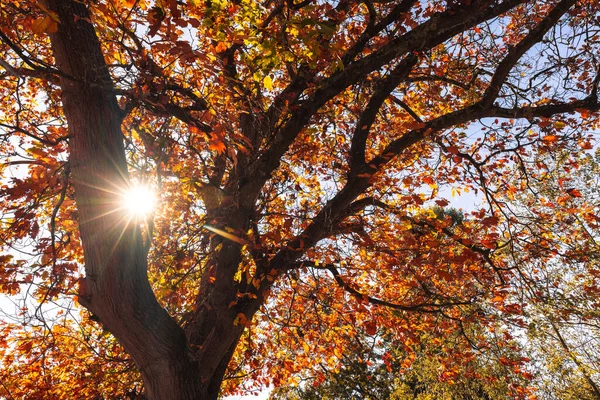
139 200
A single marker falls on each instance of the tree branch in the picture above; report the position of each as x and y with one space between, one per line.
367 116
516 52
439 28
424 307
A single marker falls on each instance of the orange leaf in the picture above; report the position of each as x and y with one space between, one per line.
371 328
573 192
452 149
221 47
216 144
414 125
44 25
550 138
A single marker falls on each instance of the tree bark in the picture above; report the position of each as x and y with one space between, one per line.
116 287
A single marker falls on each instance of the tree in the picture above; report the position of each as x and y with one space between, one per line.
378 367
293 145
556 263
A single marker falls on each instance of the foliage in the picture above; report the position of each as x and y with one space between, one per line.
378 368
558 285
310 158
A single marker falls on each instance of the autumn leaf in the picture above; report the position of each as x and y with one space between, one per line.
217 144
549 139
221 47
559 125
155 17
452 149
490 221
371 327
45 24
268 82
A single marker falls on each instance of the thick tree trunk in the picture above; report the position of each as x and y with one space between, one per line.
116 287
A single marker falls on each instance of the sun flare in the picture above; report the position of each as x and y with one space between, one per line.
139 200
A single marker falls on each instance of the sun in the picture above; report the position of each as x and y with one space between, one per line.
139 200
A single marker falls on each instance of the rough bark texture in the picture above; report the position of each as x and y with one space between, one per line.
116 287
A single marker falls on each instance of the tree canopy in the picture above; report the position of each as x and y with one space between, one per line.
304 163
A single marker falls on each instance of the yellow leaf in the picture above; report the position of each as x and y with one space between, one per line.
240 320
268 82
44 25
306 348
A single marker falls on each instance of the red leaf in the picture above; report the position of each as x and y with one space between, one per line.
371 327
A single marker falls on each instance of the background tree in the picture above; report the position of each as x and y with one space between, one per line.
293 146
555 263
377 367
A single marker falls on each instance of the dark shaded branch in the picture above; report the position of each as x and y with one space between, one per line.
516 52
439 28
424 307
368 115
374 28
361 204
589 103
181 113
436 78
478 111
21 72
594 91
32 136
45 69
406 108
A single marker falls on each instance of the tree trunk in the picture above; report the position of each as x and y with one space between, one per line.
116 287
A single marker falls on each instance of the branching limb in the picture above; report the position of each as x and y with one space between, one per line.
425 307
516 52
32 136
439 28
368 115
42 68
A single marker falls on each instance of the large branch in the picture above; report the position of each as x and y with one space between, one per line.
517 51
338 208
439 28
374 28
424 307
384 88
